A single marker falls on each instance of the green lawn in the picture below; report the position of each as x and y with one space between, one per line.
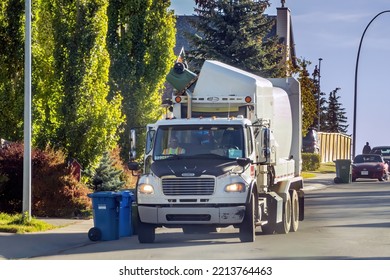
328 167
18 224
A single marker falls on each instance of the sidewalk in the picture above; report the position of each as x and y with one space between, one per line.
321 181
73 233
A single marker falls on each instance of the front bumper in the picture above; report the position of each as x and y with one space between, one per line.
161 215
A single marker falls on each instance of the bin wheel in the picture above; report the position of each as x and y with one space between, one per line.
95 234
338 180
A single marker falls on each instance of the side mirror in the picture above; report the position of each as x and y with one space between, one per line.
243 161
133 152
133 166
264 147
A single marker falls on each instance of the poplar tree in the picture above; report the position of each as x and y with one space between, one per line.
308 86
141 37
89 119
236 32
11 69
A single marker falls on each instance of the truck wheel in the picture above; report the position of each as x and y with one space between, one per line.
146 232
247 228
285 225
294 211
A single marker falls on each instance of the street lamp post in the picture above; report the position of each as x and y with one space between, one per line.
355 93
319 96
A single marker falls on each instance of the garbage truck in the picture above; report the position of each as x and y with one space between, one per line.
228 154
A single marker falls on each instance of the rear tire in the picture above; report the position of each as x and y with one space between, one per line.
294 211
247 228
285 225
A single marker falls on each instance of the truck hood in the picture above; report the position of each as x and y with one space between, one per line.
192 167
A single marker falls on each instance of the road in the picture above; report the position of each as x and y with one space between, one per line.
345 221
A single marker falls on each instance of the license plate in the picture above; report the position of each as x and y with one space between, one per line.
364 173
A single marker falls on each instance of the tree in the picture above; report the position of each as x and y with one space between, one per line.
11 69
141 37
321 106
236 32
308 86
105 177
47 90
89 119
335 120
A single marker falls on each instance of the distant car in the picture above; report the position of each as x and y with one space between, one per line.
370 166
310 143
384 151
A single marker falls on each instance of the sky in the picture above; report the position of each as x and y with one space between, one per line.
332 30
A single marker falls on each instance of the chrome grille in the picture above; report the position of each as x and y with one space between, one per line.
188 186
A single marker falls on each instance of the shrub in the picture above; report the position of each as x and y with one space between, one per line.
54 191
310 161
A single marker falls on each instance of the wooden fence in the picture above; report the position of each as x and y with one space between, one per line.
334 146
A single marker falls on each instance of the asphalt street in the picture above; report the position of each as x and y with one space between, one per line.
73 233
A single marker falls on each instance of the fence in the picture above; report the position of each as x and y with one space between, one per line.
334 146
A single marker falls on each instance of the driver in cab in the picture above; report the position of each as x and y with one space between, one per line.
173 147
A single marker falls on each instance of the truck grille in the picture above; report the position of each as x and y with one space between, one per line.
188 186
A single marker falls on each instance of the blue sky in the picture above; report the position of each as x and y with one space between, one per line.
331 30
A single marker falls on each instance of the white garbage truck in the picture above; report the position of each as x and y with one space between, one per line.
229 154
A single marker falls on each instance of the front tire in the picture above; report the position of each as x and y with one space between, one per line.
146 232
247 228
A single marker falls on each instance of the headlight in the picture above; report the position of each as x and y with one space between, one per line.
236 187
146 189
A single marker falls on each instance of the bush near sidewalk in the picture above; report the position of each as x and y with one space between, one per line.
55 191
310 161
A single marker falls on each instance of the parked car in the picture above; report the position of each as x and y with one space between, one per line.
371 166
310 143
384 151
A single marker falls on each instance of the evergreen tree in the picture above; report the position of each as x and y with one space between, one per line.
236 32
11 69
335 120
105 177
317 93
141 37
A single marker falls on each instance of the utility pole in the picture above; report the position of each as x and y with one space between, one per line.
319 96
27 117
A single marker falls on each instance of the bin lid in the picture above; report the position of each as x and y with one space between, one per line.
128 193
105 194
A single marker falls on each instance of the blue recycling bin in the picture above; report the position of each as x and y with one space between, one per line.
105 216
125 213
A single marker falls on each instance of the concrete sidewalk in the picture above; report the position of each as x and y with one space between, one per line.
73 233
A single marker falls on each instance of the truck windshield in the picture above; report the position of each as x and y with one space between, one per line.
222 141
